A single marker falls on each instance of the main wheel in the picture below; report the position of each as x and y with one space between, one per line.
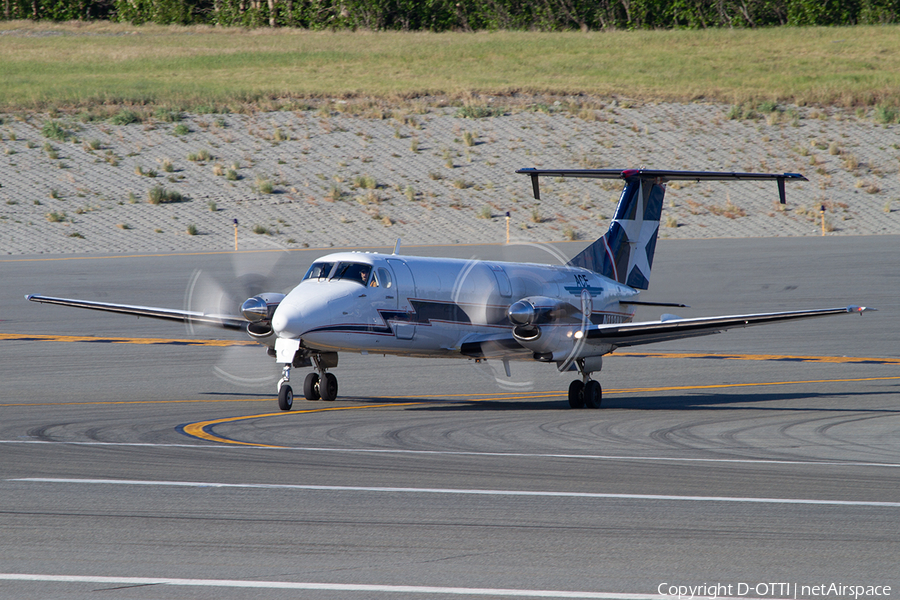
285 397
593 394
576 394
311 386
328 387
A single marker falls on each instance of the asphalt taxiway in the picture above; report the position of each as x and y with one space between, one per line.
140 460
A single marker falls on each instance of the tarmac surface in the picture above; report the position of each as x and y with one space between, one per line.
131 468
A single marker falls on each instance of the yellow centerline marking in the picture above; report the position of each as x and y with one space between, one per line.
122 340
203 429
225 343
773 357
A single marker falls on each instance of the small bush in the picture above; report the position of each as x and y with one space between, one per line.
886 114
75 234
55 217
469 138
261 230
125 117
192 229
478 112
123 226
264 186
168 116
231 175
181 129
159 195
334 193
365 181
54 131
485 212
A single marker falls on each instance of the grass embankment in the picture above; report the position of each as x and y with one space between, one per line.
56 66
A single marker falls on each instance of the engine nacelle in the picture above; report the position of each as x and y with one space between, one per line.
537 310
259 310
528 314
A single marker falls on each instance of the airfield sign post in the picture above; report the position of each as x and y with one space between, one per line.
507 227
235 235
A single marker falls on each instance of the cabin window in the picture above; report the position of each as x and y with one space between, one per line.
385 277
357 272
319 271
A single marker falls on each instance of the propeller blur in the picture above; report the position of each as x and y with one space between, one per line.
567 315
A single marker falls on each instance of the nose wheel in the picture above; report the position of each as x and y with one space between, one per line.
285 392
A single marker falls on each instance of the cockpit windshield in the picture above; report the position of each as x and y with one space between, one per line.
357 272
322 271
319 270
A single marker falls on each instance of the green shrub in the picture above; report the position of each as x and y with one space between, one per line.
159 195
54 131
125 117
478 112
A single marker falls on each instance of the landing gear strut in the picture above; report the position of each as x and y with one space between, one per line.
586 391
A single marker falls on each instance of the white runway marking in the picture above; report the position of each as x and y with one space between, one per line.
463 492
336 587
759 461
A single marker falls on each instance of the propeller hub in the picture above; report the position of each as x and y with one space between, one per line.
255 309
521 313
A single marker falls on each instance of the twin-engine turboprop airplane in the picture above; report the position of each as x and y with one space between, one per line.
569 315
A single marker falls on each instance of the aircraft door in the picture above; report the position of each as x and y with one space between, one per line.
405 285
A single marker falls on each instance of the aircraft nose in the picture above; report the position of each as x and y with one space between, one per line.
286 319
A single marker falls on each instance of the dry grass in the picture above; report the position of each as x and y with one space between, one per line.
226 69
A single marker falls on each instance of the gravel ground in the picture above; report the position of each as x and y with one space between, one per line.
328 178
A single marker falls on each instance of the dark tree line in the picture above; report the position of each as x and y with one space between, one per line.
465 15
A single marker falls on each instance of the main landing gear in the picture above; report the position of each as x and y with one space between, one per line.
585 391
320 385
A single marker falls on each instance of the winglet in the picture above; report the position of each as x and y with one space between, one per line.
396 248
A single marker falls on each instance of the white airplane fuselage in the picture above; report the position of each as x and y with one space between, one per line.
419 306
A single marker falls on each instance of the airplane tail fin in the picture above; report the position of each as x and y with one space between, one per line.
625 252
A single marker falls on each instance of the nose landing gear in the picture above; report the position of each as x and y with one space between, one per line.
318 385
285 393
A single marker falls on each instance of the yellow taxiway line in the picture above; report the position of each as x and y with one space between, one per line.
203 429
22 337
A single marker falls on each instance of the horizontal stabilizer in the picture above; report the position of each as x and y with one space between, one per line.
661 176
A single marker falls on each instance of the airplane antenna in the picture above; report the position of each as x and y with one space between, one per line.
396 248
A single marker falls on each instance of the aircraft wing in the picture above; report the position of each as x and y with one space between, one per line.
152 312
648 332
